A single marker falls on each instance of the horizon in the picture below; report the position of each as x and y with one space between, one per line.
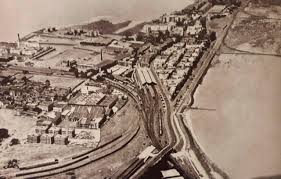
24 17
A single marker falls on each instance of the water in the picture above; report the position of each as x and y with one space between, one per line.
25 16
241 131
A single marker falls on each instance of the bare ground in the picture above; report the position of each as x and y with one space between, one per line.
122 121
19 127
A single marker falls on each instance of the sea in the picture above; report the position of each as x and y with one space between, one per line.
25 16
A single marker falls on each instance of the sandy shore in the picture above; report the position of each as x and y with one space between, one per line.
240 130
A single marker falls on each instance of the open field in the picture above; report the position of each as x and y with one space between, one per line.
255 30
122 121
62 82
240 126
68 54
19 127
102 168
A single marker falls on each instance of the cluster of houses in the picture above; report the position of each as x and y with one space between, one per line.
30 97
91 107
81 32
88 109
176 57
174 65
45 132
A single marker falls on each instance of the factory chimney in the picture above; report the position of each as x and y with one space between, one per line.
18 42
101 57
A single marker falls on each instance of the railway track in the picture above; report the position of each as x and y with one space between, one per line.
82 160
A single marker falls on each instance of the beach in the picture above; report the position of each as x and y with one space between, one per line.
239 124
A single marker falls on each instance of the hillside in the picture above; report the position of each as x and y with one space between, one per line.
134 30
104 26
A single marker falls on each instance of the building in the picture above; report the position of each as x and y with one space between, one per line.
46 106
98 41
168 18
41 129
47 138
105 64
54 117
54 130
152 28
70 132
83 123
61 139
108 101
217 9
5 58
33 138
178 31
206 7
144 76
59 107
96 123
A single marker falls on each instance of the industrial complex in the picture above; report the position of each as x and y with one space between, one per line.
100 94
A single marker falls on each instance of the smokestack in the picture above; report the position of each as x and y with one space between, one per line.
19 37
101 58
18 42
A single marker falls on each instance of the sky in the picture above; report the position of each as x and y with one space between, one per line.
25 16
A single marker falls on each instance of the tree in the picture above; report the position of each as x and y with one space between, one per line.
24 79
213 36
127 34
14 141
3 133
76 72
12 164
48 83
139 37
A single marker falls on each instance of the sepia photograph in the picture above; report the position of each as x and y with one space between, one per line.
140 89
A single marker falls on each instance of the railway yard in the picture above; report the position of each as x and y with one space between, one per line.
84 103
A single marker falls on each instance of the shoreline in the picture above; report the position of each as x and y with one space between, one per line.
89 17
228 131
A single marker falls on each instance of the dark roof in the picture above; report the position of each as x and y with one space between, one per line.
106 63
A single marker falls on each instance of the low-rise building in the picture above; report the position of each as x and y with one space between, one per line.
33 138
46 106
47 138
61 139
59 107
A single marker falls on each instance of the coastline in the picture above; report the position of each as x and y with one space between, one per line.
238 116
64 14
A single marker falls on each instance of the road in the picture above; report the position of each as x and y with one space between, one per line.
178 137
186 155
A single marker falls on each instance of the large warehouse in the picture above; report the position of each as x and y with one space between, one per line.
144 76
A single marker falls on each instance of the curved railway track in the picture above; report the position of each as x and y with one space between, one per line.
82 160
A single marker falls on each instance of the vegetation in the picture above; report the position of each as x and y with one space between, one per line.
3 134
105 26
134 30
14 141
11 164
